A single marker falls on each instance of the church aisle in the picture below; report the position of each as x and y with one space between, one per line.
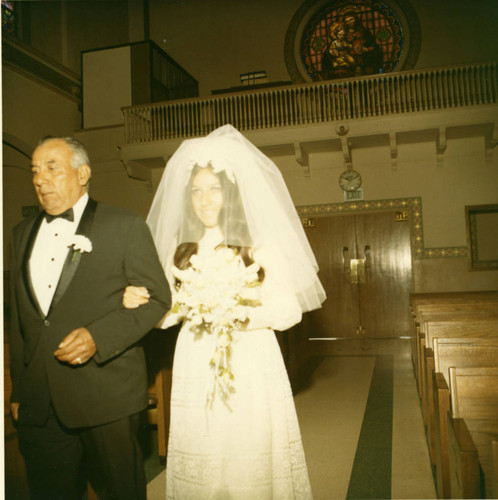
361 425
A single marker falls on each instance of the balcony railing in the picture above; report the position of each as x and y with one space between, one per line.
379 95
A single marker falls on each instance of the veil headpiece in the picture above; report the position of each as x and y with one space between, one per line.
258 211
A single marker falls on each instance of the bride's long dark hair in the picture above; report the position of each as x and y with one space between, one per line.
231 216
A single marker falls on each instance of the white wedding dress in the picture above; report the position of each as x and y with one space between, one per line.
252 450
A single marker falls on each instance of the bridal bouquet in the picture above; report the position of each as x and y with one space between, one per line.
215 295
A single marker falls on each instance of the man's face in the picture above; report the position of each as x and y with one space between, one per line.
350 21
57 184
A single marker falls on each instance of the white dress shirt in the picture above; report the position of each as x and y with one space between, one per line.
49 253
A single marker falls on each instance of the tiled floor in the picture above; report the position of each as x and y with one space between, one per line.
361 426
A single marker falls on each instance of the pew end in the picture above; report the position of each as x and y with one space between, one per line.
464 470
441 394
494 467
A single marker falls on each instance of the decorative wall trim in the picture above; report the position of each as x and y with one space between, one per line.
17 144
35 65
411 205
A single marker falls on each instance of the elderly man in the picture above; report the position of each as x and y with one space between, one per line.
78 371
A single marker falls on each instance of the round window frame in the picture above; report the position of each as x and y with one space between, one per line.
403 10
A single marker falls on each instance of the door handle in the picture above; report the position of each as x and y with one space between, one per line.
345 258
356 267
368 257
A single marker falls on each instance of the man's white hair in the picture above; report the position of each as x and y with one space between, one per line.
80 154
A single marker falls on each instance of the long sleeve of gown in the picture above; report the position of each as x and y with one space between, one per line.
279 309
171 318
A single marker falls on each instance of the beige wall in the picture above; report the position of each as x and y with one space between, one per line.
464 178
17 192
61 30
30 112
216 41
110 182
106 86
450 275
456 31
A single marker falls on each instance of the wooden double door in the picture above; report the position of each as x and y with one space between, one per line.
366 270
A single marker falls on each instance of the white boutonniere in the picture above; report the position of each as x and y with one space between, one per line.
80 244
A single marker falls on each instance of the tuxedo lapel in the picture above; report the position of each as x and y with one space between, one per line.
26 275
73 258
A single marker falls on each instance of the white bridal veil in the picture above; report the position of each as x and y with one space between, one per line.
272 220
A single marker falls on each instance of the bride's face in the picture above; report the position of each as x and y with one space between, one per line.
207 197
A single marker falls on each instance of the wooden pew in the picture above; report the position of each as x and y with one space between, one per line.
159 346
465 314
470 327
464 462
425 298
449 352
494 467
419 300
474 401
425 312
444 312
16 483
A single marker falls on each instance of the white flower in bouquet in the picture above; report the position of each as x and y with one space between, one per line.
215 294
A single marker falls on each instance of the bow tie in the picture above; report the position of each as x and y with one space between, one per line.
68 215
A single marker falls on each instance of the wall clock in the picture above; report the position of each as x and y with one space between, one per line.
350 180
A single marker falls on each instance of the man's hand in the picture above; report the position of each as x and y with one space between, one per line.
135 296
77 348
14 410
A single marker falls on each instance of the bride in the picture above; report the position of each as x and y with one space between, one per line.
239 266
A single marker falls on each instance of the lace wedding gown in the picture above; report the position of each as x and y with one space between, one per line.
253 449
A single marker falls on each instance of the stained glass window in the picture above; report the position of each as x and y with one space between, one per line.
8 17
349 38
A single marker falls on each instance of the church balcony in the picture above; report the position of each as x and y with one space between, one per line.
330 101
430 104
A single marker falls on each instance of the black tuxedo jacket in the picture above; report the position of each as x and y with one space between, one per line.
113 384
